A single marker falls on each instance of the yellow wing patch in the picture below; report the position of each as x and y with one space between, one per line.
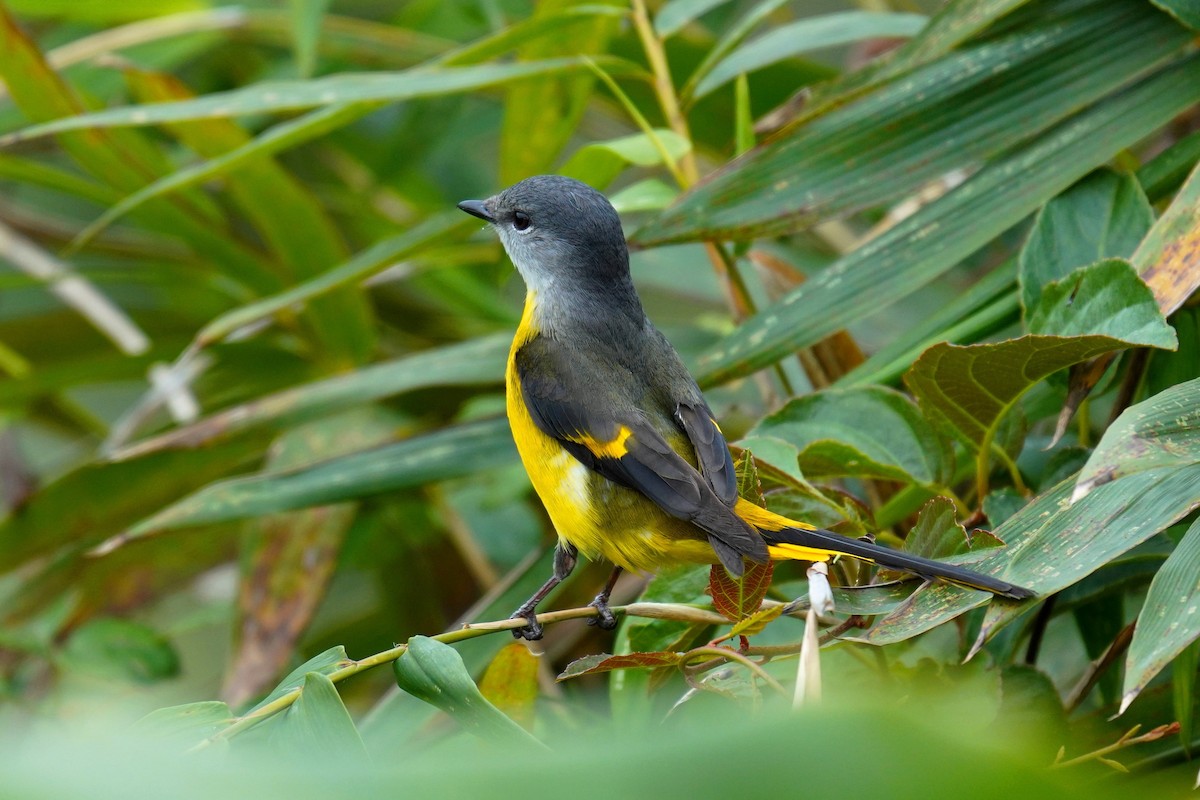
613 448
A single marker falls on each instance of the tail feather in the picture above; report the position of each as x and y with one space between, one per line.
821 541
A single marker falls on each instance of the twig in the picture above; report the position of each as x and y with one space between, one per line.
1095 669
1126 740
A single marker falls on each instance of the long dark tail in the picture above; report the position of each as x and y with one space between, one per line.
830 543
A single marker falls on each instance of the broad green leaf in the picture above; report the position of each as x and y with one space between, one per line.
599 163
1186 11
324 663
384 87
511 683
474 363
806 35
1169 621
869 432
965 109
93 501
123 649
648 195
603 662
435 673
1095 310
953 24
317 726
675 14
1105 215
1162 432
1052 544
187 724
1167 257
904 258
460 450
937 533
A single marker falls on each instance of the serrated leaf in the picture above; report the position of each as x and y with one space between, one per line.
869 432
511 683
937 533
1170 618
603 662
1105 215
1162 432
317 726
1095 310
737 598
434 672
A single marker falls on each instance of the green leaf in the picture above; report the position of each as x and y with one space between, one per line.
1186 11
306 30
1099 622
599 163
323 663
1095 310
985 101
103 13
937 533
317 726
123 649
447 453
434 672
511 683
186 725
1105 215
1162 432
473 363
675 14
1169 621
1167 257
270 96
1183 692
648 195
869 432
806 35
603 662
904 258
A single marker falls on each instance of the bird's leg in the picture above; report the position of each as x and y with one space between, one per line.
565 557
604 617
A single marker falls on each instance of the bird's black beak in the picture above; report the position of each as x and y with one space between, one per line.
476 208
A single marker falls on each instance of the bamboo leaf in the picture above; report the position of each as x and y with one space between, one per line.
603 662
675 14
317 726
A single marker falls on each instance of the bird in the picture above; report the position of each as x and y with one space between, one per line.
618 441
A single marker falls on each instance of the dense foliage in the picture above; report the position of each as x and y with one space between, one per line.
936 270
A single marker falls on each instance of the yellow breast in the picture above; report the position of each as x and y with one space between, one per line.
590 512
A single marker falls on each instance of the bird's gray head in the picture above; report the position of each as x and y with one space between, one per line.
561 234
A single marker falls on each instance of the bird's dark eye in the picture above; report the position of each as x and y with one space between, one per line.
521 220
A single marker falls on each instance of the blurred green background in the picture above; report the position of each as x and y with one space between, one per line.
934 265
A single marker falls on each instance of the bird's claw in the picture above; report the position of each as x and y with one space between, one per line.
605 620
531 632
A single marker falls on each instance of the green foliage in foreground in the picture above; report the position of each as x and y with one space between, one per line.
251 363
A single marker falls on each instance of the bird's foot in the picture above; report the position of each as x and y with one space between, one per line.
531 632
605 620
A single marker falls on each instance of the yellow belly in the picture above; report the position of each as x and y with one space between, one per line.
600 518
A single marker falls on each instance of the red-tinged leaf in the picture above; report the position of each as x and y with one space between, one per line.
510 683
738 598
603 662
756 622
